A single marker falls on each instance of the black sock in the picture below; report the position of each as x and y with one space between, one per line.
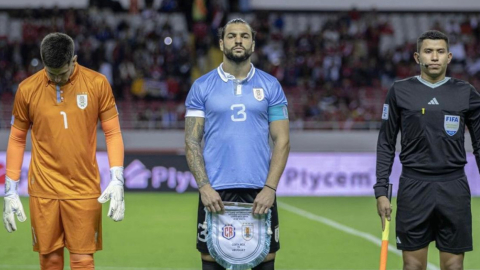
270 265
206 265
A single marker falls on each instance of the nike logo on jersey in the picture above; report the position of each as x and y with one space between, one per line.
433 102
398 240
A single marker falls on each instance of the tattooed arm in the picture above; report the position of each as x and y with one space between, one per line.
193 149
194 127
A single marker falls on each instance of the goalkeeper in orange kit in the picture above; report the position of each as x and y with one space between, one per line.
62 104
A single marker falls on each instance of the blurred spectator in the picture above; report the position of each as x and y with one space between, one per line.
335 70
106 69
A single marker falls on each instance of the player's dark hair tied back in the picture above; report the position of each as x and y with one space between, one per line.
56 50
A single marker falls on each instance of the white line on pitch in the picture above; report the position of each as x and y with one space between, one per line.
344 228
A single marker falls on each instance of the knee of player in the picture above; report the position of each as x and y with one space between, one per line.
51 263
81 262
410 264
453 265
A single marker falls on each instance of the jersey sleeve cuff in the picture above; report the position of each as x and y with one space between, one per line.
19 124
108 114
195 113
380 191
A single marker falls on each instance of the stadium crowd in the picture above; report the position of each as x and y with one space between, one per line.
335 70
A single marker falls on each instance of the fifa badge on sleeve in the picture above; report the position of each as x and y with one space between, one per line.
385 112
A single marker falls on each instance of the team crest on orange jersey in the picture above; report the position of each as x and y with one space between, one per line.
82 100
258 94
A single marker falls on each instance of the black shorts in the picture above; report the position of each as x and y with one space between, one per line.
236 195
434 211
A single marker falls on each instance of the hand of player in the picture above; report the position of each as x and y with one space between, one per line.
211 199
263 201
114 191
384 209
12 206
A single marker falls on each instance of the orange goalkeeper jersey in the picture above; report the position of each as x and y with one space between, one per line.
64 131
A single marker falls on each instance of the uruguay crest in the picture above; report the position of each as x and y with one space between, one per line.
228 231
258 94
451 124
82 100
247 231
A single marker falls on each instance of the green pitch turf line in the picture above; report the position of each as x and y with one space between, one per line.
377 241
28 267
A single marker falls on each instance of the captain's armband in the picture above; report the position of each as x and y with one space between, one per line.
279 112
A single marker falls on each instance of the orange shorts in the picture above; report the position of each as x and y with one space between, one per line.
75 224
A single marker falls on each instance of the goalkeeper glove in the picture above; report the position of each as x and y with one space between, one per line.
114 191
12 206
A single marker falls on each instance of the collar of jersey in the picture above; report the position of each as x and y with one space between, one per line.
433 85
71 80
227 76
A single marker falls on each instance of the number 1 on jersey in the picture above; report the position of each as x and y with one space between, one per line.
241 114
65 122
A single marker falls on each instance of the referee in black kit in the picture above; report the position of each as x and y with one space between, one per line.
433 201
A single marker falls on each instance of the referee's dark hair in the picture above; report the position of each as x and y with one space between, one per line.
432 34
56 50
221 30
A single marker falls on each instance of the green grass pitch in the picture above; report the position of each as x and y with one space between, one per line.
159 233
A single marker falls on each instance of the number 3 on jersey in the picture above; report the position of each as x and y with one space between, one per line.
239 113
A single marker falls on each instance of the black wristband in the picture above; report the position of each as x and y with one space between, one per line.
271 188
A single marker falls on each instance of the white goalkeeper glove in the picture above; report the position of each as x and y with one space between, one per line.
114 191
12 206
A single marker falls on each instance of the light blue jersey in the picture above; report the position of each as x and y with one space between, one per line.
236 153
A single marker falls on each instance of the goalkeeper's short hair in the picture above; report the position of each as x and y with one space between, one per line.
56 50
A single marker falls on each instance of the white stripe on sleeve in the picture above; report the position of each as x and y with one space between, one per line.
195 113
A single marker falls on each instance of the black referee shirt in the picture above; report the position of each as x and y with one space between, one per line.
432 120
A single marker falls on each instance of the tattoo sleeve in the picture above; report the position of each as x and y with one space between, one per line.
194 127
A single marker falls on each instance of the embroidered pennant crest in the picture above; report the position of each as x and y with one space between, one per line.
228 231
247 231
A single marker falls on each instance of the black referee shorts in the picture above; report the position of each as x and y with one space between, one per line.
236 195
434 211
